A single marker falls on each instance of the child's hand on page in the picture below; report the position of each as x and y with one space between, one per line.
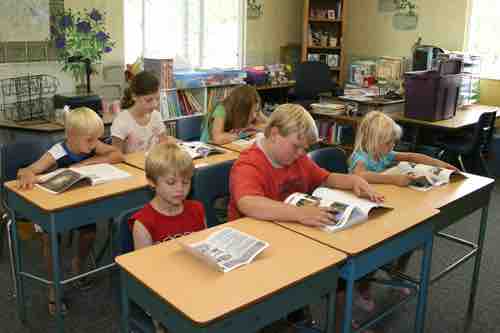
26 179
447 166
405 180
316 216
361 188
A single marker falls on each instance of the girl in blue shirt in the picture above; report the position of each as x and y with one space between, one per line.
374 153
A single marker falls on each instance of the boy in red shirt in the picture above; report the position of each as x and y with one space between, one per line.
276 166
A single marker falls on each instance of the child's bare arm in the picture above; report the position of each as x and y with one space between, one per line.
27 177
142 237
118 143
219 136
380 178
357 184
104 154
423 159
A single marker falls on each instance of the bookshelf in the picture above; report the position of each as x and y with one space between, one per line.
322 35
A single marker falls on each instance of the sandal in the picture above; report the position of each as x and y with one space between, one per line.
83 284
52 307
355 325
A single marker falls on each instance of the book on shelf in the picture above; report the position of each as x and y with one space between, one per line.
347 208
163 68
427 176
227 249
197 149
61 180
328 108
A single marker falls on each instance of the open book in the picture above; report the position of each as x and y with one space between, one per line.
227 249
197 149
348 209
427 176
62 179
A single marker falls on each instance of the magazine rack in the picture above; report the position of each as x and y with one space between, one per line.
27 97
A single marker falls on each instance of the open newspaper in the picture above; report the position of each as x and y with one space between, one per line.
62 179
348 209
197 149
427 176
227 249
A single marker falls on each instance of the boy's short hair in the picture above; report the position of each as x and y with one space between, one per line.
168 159
292 118
83 121
376 129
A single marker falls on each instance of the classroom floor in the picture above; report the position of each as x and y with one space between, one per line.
97 311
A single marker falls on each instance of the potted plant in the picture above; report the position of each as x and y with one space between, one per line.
80 37
406 18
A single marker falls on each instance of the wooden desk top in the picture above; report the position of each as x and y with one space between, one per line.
37 125
236 146
380 226
138 159
204 294
464 117
74 197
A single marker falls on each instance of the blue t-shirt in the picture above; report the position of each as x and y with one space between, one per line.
385 162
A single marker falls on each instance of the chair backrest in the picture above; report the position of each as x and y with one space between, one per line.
312 78
209 184
124 242
333 159
189 129
14 156
483 131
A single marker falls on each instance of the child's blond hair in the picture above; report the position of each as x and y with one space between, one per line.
168 159
375 130
83 121
290 119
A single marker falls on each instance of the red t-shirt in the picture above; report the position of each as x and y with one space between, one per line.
162 227
253 174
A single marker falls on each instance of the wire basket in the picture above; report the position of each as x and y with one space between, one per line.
28 97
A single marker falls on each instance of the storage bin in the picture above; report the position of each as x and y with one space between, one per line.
430 95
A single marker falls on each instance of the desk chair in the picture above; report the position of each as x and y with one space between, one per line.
14 156
189 129
469 149
311 79
333 159
209 184
124 243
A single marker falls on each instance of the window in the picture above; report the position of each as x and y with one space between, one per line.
203 33
483 36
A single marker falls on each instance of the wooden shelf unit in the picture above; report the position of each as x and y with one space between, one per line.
316 20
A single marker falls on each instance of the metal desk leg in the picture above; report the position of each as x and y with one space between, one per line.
477 266
349 292
124 302
331 299
21 309
56 271
424 284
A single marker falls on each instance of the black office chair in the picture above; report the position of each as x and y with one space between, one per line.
189 129
211 183
124 243
311 79
469 149
333 159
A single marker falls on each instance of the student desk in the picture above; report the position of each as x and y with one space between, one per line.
237 146
454 201
188 295
69 210
138 159
380 240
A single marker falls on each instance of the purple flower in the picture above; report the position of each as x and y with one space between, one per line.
66 21
83 27
60 42
107 49
101 36
95 15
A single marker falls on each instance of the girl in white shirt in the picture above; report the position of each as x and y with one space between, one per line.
139 125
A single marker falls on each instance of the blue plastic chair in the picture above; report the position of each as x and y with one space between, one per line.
209 184
333 159
189 129
124 243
